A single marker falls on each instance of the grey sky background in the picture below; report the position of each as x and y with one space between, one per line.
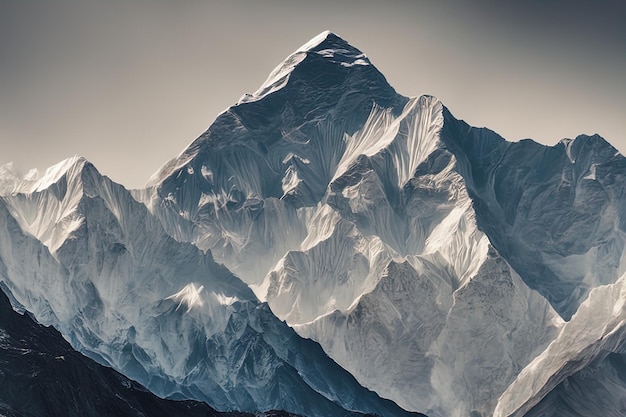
130 83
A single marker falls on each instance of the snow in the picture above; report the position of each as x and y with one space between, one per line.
326 44
84 255
598 327
383 228
188 297
160 311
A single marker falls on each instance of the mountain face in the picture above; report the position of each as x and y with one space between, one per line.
445 268
41 375
556 213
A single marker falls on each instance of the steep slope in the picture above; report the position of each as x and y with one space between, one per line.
162 312
41 375
591 345
556 213
599 389
452 321
435 261
319 205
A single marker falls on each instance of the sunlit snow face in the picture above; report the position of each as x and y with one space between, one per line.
189 296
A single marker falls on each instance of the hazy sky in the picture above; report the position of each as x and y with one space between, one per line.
130 83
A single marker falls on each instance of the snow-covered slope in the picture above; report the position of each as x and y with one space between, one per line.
81 254
242 188
452 320
591 345
557 213
599 389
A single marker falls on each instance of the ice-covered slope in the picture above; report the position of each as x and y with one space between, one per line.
433 260
450 319
599 389
243 187
162 312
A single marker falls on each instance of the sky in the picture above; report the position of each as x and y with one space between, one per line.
128 84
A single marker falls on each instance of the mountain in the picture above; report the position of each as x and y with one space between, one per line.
433 260
82 255
41 375
445 268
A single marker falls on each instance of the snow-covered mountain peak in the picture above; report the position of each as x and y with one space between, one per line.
326 39
322 91
70 170
334 48
327 45
47 206
190 296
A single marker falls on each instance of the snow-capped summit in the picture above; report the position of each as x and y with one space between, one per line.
327 47
325 81
34 181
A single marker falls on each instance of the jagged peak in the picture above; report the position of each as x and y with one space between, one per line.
53 174
326 78
327 45
34 181
74 173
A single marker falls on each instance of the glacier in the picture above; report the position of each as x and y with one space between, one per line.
445 268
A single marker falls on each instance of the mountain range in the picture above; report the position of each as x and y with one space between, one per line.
329 247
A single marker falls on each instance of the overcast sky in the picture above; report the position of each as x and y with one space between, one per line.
129 83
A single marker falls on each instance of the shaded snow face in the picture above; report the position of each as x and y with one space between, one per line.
162 312
582 369
556 213
246 186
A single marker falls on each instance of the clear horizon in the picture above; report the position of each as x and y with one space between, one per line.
129 85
